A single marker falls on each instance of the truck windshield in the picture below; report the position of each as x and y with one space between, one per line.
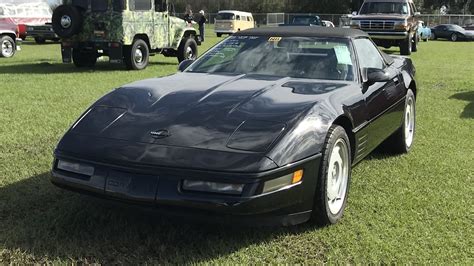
225 16
384 8
296 57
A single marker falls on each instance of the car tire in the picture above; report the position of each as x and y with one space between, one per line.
219 35
40 40
137 56
454 37
7 46
334 178
402 140
406 46
84 58
67 20
433 36
187 50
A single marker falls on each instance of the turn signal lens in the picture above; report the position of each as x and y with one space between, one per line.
297 176
284 181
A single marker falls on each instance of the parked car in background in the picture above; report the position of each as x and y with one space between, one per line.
232 21
305 20
327 23
9 40
389 23
469 26
128 31
25 12
452 32
42 33
424 32
262 129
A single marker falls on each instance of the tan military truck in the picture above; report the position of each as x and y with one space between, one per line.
127 31
389 23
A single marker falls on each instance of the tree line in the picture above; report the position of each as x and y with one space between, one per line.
312 6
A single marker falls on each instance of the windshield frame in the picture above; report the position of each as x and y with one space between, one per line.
343 40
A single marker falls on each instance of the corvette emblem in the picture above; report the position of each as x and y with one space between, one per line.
160 134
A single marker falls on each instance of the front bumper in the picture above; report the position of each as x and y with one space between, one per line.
161 189
225 31
48 35
388 35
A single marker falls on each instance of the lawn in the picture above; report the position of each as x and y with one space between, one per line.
411 208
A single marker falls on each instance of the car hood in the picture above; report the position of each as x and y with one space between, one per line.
214 112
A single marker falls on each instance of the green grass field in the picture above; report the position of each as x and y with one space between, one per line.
412 208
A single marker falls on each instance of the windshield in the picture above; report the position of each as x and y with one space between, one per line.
225 16
384 8
306 20
296 57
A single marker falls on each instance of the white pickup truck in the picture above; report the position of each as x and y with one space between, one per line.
9 41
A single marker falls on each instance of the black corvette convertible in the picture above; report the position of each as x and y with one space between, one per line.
263 128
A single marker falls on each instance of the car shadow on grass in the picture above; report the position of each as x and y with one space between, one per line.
469 97
41 221
46 67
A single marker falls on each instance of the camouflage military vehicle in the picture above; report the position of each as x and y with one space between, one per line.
127 31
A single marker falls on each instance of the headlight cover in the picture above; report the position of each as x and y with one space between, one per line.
255 135
77 168
213 187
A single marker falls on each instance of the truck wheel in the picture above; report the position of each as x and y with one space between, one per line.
137 56
187 50
67 20
219 35
405 46
84 58
7 46
40 40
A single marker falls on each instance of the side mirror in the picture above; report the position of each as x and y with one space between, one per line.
184 64
417 14
354 13
373 75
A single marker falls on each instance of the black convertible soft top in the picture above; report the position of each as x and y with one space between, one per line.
303 31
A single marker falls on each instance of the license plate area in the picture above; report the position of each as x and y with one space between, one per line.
131 186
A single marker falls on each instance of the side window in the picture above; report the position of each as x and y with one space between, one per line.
368 54
160 5
140 5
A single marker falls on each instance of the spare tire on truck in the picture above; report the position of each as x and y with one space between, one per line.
67 20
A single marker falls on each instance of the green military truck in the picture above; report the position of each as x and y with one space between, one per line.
127 31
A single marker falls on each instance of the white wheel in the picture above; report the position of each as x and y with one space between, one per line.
337 176
330 198
409 121
7 46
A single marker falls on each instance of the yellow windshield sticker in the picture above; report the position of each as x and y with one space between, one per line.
274 39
